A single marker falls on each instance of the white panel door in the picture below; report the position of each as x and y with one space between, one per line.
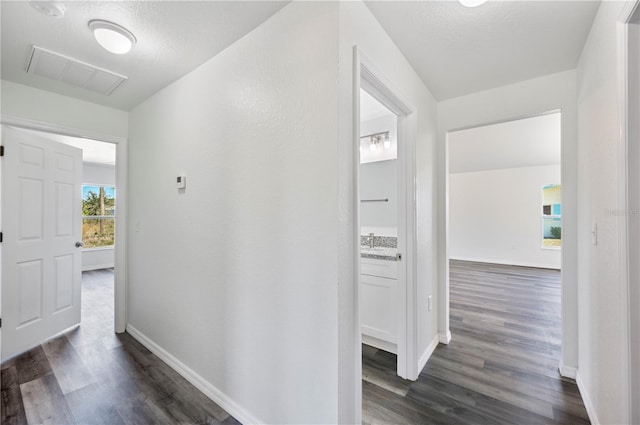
41 224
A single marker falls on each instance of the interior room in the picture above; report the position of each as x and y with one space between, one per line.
243 288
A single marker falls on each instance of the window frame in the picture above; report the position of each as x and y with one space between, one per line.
100 217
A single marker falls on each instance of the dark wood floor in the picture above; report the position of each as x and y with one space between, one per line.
501 366
93 376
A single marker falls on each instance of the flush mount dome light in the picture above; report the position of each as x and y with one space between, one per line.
112 37
472 3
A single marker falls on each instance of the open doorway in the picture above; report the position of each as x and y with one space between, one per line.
505 254
380 309
98 241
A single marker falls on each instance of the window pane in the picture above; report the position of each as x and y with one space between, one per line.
551 213
552 232
98 232
98 200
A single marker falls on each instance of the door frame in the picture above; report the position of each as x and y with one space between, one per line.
368 77
120 275
628 33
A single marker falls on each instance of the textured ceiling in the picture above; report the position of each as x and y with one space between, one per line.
522 143
458 50
455 50
174 37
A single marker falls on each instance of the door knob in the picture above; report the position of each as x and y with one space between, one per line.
79 244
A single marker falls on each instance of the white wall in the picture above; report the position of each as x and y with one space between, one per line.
34 104
495 216
524 99
235 277
359 27
603 373
105 175
379 180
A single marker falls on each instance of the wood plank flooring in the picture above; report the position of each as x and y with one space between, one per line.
93 376
501 366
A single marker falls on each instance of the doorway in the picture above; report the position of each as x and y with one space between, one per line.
99 231
380 310
504 228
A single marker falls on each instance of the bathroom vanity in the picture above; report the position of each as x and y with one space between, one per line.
379 297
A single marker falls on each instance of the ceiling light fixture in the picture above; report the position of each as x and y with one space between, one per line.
112 37
53 9
472 3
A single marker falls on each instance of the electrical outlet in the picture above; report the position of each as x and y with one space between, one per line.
430 303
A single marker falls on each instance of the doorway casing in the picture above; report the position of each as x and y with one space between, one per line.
120 276
367 77
628 33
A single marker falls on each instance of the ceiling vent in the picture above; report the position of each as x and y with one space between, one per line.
53 65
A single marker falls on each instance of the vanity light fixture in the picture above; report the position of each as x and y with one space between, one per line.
112 37
377 139
472 3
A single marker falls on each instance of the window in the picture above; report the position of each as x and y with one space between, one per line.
551 216
98 215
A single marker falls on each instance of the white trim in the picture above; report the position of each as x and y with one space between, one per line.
98 267
120 278
567 371
379 343
507 263
357 331
373 81
586 399
59 129
629 194
99 248
424 358
444 337
206 387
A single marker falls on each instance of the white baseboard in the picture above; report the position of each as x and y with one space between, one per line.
588 404
380 343
424 358
567 371
508 263
195 379
444 337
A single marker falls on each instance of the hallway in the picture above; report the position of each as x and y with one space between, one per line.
91 375
501 366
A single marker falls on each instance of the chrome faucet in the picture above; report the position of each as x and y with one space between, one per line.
371 240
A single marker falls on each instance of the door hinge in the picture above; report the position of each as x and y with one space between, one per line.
2 150
0 237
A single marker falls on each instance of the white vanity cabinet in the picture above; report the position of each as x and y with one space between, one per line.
379 303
